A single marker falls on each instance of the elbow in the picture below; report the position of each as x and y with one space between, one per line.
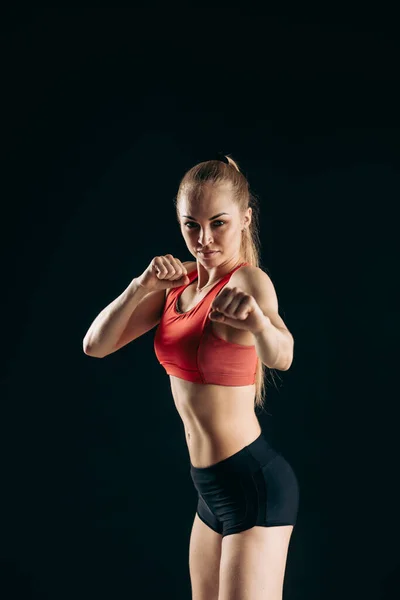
89 351
86 347
288 363
289 355
279 366
286 367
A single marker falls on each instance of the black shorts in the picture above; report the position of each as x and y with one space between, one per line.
255 486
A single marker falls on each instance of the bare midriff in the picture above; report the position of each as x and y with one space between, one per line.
218 420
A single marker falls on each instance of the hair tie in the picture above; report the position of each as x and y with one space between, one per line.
222 157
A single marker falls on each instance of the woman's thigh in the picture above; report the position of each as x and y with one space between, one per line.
204 561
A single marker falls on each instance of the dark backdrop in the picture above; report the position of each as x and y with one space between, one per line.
103 112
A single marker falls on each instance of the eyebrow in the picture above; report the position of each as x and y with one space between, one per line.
210 219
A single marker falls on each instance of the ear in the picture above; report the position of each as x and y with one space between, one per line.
247 217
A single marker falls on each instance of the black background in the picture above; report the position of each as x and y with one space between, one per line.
103 111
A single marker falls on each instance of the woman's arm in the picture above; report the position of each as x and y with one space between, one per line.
109 325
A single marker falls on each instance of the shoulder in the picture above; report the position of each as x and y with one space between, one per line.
253 279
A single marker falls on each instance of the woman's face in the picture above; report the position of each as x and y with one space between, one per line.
212 222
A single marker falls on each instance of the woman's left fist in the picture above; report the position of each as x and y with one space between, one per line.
234 307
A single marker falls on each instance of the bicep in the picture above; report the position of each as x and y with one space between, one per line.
263 291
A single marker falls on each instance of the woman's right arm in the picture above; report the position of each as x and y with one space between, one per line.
137 310
107 328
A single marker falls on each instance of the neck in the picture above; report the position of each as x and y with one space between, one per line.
200 289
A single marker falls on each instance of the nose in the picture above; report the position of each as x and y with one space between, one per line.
205 237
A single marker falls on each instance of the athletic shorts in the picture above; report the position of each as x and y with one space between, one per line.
255 486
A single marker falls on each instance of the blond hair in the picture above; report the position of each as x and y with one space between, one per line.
218 172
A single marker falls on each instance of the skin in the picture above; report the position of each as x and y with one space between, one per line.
220 420
213 235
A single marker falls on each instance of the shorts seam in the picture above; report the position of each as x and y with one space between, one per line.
205 522
271 461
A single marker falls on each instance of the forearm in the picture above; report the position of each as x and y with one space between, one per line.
274 346
108 326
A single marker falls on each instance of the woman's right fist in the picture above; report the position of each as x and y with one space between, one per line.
163 272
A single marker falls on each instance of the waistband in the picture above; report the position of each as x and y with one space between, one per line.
259 452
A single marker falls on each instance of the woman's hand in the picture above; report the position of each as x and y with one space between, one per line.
164 272
234 307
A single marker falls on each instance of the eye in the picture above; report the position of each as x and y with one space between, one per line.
214 222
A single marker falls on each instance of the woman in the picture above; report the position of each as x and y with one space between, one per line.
218 326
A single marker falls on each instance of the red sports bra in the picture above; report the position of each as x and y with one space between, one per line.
187 347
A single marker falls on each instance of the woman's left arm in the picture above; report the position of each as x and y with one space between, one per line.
274 346
274 343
